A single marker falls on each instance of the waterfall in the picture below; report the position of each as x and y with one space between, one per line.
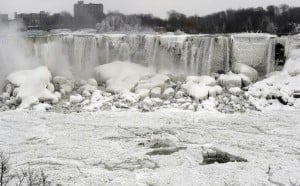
77 55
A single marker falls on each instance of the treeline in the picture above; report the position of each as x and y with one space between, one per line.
273 19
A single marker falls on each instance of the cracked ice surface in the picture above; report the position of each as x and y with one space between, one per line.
116 148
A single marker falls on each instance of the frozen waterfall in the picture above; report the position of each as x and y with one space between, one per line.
77 54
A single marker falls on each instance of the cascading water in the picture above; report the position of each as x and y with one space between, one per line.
76 55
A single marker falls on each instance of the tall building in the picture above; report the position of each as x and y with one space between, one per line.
87 15
4 18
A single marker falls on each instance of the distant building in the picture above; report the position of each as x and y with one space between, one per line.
33 20
87 15
4 18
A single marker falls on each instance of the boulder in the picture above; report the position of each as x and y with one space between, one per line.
246 81
76 98
92 82
235 99
51 87
129 97
63 84
59 80
212 92
68 88
218 89
248 71
143 93
230 80
156 92
179 94
168 93
198 92
235 91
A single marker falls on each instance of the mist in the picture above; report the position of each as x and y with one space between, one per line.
18 53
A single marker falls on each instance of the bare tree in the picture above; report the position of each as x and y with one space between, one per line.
5 177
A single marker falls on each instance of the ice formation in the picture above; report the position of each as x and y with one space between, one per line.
147 71
77 53
32 86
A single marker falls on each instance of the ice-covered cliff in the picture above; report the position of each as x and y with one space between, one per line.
76 54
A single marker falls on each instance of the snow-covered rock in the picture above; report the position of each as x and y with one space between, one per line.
203 80
143 93
168 93
156 92
9 88
248 71
68 87
129 97
209 104
42 107
32 85
87 89
76 98
246 81
235 90
158 80
198 92
64 85
5 95
92 82
212 92
146 105
96 96
218 89
121 76
230 80
51 87
59 80
179 94
292 67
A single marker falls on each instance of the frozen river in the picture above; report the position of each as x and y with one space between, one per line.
160 148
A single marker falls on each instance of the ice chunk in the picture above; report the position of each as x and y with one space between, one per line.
121 76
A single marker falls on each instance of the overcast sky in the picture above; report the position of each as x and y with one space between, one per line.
156 7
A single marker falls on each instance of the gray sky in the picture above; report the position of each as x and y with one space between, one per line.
156 7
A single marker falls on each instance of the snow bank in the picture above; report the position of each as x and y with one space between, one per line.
32 85
121 76
279 85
